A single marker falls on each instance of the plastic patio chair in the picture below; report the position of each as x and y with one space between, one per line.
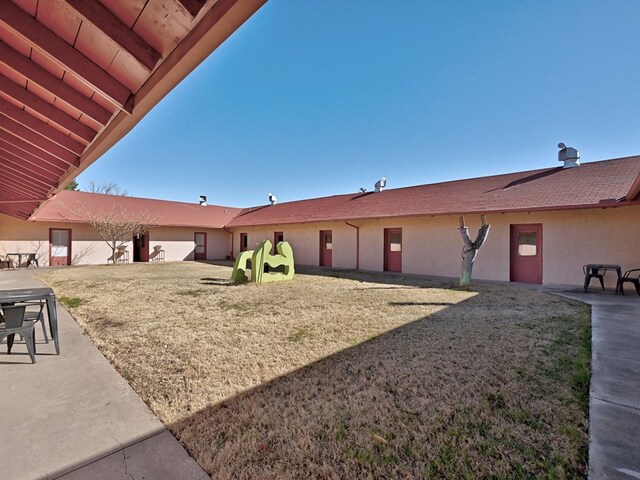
632 276
13 323
591 272
37 316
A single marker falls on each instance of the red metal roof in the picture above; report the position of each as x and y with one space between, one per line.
75 207
595 184
77 75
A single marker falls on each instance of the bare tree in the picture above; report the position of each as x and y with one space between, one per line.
116 224
106 188
470 249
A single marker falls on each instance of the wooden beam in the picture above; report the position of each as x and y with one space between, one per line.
35 151
31 100
17 129
29 171
46 176
14 153
49 44
112 26
192 6
38 75
14 191
29 168
17 211
40 127
25 183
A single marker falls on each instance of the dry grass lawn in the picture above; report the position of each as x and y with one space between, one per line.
351 375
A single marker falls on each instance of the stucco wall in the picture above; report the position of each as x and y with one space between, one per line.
432 245
178 242
305 241
88 248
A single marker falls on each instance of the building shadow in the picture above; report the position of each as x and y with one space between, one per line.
380 406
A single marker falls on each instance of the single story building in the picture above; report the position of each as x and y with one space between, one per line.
59 233
545 225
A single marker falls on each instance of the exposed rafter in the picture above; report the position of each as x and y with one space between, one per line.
38 75
31 100
49 44
40 127
33 150
17 129
14 153
111 25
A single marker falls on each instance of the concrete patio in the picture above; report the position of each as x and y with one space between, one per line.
72 416
614 406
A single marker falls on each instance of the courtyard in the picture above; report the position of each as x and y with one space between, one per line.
342 374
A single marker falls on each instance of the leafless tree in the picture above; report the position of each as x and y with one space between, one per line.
116 224
107 188
470 249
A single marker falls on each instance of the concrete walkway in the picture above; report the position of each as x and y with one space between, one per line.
72 416
614 406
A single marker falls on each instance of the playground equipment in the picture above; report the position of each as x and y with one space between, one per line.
261 258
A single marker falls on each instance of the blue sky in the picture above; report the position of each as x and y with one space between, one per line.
314 98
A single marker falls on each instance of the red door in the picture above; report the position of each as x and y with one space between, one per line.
526 253
200 251
59 247
277 238
326 248
393 249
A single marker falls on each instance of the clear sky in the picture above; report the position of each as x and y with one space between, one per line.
320 97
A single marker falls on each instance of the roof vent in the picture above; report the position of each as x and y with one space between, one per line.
203 200
570 156
272 199
380 184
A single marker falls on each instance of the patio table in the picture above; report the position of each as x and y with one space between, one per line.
31 258
593 270
18 295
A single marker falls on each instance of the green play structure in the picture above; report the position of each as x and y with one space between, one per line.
260 257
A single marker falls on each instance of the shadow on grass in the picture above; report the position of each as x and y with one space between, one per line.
395 280
413 402
412 304
224 282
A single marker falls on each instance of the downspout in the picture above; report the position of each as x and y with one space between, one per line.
357 244
230 233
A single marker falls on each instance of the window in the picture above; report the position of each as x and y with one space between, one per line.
328 241
527 246
395 242
59 243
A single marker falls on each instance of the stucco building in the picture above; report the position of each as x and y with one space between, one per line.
545 224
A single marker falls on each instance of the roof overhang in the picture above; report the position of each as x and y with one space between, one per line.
77 75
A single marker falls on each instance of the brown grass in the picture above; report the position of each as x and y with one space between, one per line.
350 376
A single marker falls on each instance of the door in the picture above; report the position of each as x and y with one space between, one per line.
526 253
200 251
393 249
326 248
59 247
244 242
277 238
141 248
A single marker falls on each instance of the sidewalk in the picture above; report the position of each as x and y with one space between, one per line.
72 416
614 406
